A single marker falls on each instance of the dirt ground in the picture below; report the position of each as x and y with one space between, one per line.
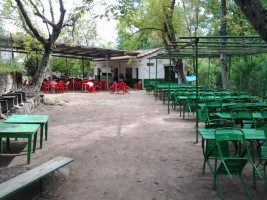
125 147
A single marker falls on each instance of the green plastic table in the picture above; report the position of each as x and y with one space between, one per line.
42 120
250 135
228 115
19 131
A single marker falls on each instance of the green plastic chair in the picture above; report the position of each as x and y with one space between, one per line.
226 98
226 165
263 156
189 104
149 89
242 117
261 122
264 112
209 151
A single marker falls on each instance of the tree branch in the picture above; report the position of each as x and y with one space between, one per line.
38 13
148 28
51 11
48 30
29 23
255 14
25 26
62 14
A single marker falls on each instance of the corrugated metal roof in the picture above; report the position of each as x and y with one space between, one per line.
140 54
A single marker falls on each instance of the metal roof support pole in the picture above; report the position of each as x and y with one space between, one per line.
265 82
156 85
230 62
196 54
169 87
83 67
149 71
51 75
107 68
209 75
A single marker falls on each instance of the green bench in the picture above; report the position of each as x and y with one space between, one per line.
33 175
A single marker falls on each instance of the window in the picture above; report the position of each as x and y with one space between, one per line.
105 74
129 73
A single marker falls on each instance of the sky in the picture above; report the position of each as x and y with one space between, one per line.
106 29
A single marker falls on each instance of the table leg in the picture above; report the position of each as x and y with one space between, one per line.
1 145
46 130
29 149
253 160
41 135
34 142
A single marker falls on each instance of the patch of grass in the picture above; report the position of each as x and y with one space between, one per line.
9 68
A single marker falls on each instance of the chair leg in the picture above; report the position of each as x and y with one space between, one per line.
265 176
245 187
216 181
219 187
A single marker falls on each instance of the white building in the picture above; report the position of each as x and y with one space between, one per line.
131 69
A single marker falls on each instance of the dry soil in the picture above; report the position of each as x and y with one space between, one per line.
125 147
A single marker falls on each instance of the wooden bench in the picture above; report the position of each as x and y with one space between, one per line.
33 175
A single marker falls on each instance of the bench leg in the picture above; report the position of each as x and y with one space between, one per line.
45 194
53 184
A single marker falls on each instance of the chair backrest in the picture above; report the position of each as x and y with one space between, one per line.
242 116
229 134
240 110
60 84
261 122
113 85
219 123
265 133
264 112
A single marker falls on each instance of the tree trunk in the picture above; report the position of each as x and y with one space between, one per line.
255 14
223 58
179 69
39 76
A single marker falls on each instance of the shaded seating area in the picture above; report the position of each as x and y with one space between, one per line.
235 125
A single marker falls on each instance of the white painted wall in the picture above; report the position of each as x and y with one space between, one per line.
140 63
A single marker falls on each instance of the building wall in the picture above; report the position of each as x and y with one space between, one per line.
140 63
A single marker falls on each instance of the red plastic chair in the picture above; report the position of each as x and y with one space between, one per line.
78 85
90 87
85 85
53 85
71 84
103 85
66 86
24 83
137 86
122 86
45 86
60 87
113 87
